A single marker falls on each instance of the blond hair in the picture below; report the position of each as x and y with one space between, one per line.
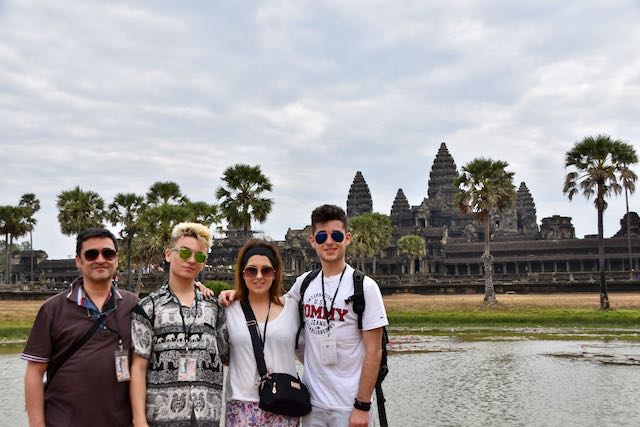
191 229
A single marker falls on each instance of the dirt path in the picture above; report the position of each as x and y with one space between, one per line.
415 302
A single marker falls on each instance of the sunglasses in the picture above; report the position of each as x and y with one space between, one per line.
93 254
186 253
336 235
251 272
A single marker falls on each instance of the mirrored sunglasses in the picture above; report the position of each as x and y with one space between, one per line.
93 254
251 272
186 253
336 235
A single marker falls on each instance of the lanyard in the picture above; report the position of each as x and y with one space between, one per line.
187 332
324 302
102 316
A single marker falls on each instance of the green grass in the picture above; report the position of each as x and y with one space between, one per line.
217 285
14 330
531 317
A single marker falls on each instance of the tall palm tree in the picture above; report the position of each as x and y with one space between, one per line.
628 179
414 247
485 186
30 202
203 213
126 209
242 201
13 224
370 234
597 163
79 210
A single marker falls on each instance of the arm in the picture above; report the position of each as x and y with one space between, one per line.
370 366
34 393
138 390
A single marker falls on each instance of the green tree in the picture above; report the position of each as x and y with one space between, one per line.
241 200
414 247
165 193
79 210
203 213
597 164
30 202
628 179
13 224
485 186
370 235
126 209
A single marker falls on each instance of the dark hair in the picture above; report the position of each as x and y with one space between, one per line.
91 233
327 213
276 290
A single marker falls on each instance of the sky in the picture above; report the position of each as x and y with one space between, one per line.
114 96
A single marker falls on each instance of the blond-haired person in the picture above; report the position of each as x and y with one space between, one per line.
179 341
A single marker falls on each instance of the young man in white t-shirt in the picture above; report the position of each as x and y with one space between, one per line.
341 362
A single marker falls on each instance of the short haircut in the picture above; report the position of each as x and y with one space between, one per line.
327 213
91 233
198 231
276 290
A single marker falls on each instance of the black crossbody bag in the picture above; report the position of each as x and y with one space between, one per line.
280 393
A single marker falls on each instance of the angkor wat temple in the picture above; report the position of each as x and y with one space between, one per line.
454 242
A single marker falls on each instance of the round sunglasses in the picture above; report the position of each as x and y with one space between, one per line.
93 254
251 272
186 253
322 236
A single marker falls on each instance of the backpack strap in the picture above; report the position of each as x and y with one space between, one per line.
358 295
303 287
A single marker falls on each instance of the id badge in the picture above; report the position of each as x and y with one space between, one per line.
187 367
329 351
122 365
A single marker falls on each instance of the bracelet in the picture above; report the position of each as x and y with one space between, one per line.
363 406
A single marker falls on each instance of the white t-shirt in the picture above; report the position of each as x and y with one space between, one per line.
335 386
242 378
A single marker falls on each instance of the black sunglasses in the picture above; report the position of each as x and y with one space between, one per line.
336 235
251 272
93 254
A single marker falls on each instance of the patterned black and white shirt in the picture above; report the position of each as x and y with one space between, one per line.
158 335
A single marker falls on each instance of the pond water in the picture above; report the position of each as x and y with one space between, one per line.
506 383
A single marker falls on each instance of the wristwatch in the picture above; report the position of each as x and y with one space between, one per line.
363 406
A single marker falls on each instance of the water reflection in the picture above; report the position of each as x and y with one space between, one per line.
512 383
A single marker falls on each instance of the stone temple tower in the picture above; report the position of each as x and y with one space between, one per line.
359 199
401 211
526 210
440 188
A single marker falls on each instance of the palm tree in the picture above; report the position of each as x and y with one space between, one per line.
13 224
79 210
165 193
203 213
32 205
597 163
126 209
370 234
628 179
241 200
413 246
485 186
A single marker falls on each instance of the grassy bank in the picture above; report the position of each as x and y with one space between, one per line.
440 312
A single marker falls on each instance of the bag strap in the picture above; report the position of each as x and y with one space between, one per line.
53 368
358 295
252 324
303 287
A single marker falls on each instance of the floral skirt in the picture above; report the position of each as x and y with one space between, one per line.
243 414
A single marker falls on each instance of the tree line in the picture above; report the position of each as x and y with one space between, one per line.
145 220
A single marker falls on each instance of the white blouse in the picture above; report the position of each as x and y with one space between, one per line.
242 377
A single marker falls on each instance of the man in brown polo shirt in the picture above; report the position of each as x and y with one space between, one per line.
86 390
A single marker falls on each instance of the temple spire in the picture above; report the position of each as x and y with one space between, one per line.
440 188
359 199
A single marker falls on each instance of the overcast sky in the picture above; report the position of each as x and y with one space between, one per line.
113 96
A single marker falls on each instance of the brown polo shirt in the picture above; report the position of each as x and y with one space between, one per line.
84 391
